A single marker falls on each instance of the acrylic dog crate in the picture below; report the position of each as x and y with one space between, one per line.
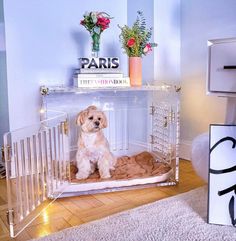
144 119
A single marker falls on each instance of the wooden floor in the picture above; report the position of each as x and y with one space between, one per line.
68 212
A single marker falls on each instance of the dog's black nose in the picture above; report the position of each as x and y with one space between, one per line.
97 123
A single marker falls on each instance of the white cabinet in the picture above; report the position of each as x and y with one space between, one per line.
222 67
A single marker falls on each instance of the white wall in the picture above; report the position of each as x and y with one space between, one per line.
167 35
4 121
200 21
44 39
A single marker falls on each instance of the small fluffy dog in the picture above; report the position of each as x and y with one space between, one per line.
93 148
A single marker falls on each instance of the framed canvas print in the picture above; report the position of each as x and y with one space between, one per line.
222 175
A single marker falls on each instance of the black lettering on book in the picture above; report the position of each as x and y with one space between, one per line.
102 63
115 63
109 63
93 64
84 62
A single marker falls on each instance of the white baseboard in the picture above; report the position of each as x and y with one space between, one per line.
185 148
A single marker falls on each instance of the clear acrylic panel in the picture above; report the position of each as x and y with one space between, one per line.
139 119
36 168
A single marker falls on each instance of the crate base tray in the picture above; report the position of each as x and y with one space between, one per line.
129 171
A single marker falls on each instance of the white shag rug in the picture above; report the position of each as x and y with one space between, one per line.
182 217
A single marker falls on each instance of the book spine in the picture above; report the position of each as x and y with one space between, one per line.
99 71
102 82
107 75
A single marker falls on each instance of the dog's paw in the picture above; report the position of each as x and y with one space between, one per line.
81 176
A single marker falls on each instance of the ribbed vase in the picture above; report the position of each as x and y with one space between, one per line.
135 71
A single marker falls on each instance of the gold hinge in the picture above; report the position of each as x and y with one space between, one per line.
10 217
65 127
44 90
5 152
165 121
152 110
177 88
152 139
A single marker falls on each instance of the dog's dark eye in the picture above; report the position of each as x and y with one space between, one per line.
99 118
90 118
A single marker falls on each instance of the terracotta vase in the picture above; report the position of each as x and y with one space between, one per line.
135 71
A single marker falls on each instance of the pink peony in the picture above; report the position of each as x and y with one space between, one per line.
147 48
103 22
131 42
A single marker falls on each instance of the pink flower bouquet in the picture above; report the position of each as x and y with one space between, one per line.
95 23
135 40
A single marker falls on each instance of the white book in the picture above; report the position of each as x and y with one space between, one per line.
99 63
101 82
99 75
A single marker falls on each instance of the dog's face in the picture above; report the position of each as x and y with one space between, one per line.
91 119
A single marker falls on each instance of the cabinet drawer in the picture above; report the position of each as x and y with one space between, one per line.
222 66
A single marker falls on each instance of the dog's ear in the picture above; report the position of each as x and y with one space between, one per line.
104 121
81 117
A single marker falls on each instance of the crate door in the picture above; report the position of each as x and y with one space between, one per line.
36 169
165 132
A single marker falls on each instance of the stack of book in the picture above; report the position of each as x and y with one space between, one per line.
99 76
